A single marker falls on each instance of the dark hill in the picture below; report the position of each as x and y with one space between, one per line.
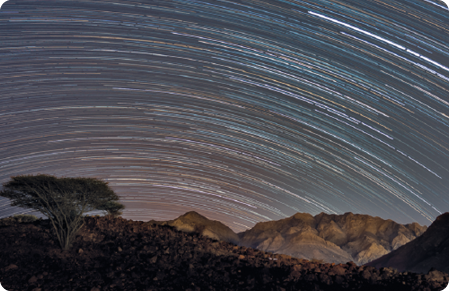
119 254
430 250
195 222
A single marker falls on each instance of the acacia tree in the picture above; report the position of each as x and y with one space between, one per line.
62 200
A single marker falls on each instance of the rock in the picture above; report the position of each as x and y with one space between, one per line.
153 260
435 275
339 280
325 279
11 267
33 279
337 270
366 274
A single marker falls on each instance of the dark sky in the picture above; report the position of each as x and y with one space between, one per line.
244 111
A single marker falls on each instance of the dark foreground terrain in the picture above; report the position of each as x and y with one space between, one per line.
119 254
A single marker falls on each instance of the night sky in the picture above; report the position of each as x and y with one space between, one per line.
241 110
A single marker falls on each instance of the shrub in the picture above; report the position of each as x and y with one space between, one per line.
17 218
25 217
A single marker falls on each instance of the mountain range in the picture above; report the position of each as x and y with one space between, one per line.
324 237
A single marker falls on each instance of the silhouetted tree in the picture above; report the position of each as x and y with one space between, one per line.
112 207
62 200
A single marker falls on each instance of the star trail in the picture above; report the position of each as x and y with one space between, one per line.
242 110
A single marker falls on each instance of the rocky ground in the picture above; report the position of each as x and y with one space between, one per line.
119 254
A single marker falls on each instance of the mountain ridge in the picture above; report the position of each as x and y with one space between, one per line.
430 250
329 237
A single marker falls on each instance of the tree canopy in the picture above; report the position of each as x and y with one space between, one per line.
62 200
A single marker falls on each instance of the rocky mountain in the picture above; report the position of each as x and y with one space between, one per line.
195 222
430 250
331 238
119 254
